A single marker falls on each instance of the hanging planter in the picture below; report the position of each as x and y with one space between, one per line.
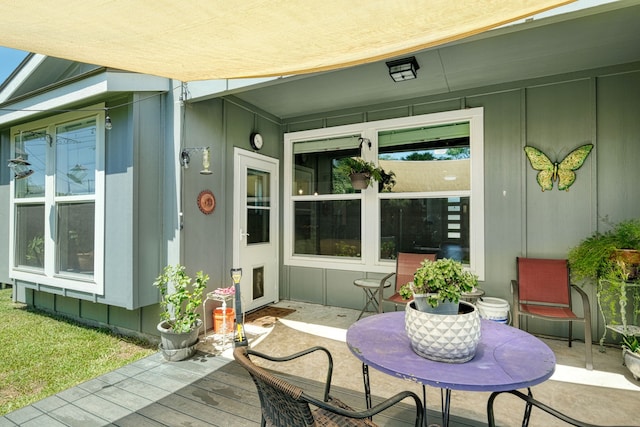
360 180
363 173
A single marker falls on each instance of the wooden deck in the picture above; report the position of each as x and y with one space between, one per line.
206 390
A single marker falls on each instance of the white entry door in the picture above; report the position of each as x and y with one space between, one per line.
255 227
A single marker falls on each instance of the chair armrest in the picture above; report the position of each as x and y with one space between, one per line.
327 384
384 280
586 307
531 401
386 404
516 293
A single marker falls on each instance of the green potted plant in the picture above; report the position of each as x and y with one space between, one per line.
439 283
631 355
361 172
439 326
180 318
610 260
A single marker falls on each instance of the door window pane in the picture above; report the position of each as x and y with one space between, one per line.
29 235
76 237
258 206
329 227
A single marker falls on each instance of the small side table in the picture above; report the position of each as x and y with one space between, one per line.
371 288
472 296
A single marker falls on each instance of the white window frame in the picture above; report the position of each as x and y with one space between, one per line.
370 198
48 276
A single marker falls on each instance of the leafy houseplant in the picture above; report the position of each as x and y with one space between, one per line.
179 303
631 354
607 259
180 319
595 257
442 280
437 327
362 172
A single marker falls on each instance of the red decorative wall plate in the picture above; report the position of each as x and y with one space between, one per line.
206 202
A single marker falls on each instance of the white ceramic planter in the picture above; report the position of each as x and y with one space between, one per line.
632 362
451 338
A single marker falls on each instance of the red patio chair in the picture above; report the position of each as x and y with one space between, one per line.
406 266
543 291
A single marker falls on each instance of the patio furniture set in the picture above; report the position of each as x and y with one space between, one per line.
507 359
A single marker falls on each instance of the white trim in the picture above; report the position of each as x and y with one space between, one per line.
89 87
93 285
22 75
369 261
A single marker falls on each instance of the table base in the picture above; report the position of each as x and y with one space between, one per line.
445 404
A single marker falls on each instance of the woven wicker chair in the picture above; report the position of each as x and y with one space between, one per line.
286 405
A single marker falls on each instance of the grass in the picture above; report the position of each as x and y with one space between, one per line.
41 354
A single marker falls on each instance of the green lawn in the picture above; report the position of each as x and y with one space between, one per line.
41 355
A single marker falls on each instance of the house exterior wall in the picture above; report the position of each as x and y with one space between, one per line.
221 124
143 200
135 218
554 114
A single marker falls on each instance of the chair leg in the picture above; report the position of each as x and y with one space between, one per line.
570 332
588 345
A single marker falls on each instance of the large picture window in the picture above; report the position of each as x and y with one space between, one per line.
56 225
431 200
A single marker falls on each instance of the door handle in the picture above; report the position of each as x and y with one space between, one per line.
242 235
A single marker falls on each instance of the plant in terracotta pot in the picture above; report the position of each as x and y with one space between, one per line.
180 302
444 328
361 172
437 283
611 261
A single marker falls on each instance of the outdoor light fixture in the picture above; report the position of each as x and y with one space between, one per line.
403 69
107 122
20 168
185 158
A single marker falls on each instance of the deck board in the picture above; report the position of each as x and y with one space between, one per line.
206 390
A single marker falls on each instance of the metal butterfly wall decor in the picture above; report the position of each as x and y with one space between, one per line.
563 171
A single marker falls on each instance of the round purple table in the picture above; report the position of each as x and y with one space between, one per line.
506 358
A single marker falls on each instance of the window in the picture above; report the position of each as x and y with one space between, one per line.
431 201
56 225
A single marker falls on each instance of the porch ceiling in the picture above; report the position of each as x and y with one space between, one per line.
597 37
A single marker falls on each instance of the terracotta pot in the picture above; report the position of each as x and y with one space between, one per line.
451 338
630 261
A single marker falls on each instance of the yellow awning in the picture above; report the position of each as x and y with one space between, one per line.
212 39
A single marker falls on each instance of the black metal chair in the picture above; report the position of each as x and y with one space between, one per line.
531 402
286 405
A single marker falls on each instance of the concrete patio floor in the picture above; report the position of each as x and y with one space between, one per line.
210 389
